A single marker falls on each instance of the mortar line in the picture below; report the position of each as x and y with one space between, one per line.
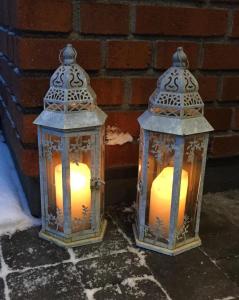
66 261
136 251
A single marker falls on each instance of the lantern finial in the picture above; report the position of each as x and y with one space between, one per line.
180 58
68 55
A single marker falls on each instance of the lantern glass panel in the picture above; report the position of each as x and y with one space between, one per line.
190 176
160 168
52 153
80 164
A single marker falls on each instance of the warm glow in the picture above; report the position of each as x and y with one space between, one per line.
79 185
160 199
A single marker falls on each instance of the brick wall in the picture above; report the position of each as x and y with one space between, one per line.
124 46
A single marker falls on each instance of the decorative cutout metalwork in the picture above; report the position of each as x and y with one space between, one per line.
70 88
197 144
50 146
162 144
82 223
156 231
81 144
182 232
176 94
56 220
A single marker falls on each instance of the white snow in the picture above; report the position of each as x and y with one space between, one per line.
4 271
14 212
115 136
90 293
226 298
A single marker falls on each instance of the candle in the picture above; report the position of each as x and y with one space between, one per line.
160 200
79 186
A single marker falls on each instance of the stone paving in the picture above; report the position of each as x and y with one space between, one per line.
31 268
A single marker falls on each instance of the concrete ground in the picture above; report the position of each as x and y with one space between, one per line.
31 268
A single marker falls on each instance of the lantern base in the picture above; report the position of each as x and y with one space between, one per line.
173 252
91 240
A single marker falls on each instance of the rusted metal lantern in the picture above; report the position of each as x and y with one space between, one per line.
173 148
71 151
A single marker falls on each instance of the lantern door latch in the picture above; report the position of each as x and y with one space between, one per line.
95 183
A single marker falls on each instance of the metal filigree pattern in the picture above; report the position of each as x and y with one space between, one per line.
51 146
81 144
56 220
162 145
177 94
83 222
70 88
156 232
171 84
197 144
182 232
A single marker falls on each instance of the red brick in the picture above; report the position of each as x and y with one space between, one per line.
121 156
221 57
235 28
23 122
26 129
235 124
27 159
128 54
142 88
47 15
109 91
219 118
230 89
42 54
30 91
102 18
208 88
223 146
165 50
125 120
7 72
182 21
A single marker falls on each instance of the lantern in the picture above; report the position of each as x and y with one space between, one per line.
71 151
172 155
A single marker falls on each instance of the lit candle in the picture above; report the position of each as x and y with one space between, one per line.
160 199
79 186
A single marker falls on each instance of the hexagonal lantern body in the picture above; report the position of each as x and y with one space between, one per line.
71 154
173 148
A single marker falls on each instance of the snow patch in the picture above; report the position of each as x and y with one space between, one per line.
141 255
91 292
4 271
227 298
14 211
132 283
115 136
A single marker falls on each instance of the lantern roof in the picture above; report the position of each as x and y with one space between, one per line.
176 106
70 101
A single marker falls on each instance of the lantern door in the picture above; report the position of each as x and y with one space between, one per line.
73 169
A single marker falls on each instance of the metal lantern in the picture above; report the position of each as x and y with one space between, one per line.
173 148
71 151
